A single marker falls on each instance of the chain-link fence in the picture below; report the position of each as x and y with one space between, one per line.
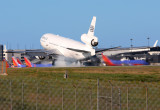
68 95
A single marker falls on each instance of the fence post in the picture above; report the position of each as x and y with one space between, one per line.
22 95
146 98
127 98
11 93
106 100
119 99
50 97
91 99
75 98
97 94
62 98
111 94
37 97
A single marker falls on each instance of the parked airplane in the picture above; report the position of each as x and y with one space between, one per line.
110 62
70 49
29 64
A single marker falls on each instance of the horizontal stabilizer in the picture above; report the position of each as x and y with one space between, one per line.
77 50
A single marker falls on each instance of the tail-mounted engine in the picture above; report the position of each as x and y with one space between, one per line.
89 40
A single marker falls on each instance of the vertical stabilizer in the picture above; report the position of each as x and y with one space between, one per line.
5 48
155 44
92 27
15 63
27 61
107 61
19 61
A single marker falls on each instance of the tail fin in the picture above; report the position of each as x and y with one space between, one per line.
19 61
92 27
155 44
15 63
28 63
107 61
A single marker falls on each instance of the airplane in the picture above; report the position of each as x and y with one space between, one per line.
70 49
110 62
16 63
29 64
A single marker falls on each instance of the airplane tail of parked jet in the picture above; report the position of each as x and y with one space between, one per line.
29 64
108 61
19 61
16 64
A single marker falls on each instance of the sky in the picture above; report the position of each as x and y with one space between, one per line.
23 22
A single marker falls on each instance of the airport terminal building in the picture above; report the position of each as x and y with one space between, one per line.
149 54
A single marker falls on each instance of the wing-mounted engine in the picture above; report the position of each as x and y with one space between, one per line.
89 40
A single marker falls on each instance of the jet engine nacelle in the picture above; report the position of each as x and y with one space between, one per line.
40 57
89 40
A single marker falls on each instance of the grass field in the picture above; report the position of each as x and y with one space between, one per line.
43 88
131 73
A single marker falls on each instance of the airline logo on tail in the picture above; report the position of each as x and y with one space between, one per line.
15 63
92 27
19 61
28 63
107 61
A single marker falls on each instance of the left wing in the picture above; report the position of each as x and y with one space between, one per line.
78 50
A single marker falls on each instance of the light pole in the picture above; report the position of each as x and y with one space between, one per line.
131 44
148 41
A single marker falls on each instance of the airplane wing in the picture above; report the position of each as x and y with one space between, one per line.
78 50
101 50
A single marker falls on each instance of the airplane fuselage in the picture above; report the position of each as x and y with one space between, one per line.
66 47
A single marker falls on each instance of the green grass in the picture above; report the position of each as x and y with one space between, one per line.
138 73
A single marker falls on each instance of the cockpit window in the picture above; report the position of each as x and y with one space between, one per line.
44 38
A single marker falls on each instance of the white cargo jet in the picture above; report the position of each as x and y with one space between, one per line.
69 48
